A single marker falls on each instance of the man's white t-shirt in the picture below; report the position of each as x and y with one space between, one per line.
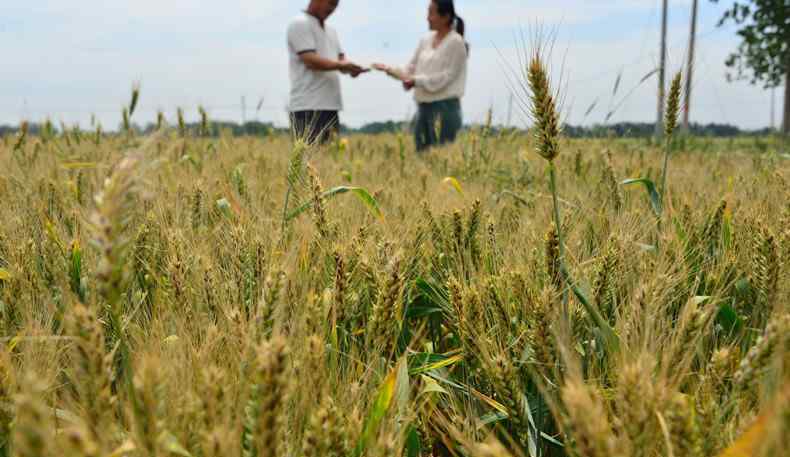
313 90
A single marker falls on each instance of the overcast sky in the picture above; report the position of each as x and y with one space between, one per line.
69 59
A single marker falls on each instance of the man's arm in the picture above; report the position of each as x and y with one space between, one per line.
315 62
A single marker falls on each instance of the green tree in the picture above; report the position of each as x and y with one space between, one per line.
764 53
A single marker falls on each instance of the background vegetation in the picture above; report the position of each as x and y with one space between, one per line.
179 294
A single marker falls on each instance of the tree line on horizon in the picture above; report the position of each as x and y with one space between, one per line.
256 128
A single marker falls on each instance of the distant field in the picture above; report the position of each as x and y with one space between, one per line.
180 296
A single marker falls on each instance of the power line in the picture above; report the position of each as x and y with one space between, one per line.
613 69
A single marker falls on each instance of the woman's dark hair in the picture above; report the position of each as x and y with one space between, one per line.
447 8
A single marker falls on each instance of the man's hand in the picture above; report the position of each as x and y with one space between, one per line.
350 68
408 85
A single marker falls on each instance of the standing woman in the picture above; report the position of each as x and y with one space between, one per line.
437 74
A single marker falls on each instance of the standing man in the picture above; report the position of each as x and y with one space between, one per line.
316 57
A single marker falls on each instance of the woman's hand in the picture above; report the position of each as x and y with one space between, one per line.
408 84
381 67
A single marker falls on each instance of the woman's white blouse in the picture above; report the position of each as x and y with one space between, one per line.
439 74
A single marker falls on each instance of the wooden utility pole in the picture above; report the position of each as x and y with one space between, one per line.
773 108
243 110
509 111
690 67
662 70
786 122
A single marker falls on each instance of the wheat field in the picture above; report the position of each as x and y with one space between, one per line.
509 295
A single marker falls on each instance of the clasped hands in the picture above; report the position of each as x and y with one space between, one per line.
408 81
350 68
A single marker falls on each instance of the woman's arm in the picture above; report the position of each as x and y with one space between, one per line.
402 73
456 56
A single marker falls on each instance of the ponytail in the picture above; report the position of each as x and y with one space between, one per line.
460 25
447 8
